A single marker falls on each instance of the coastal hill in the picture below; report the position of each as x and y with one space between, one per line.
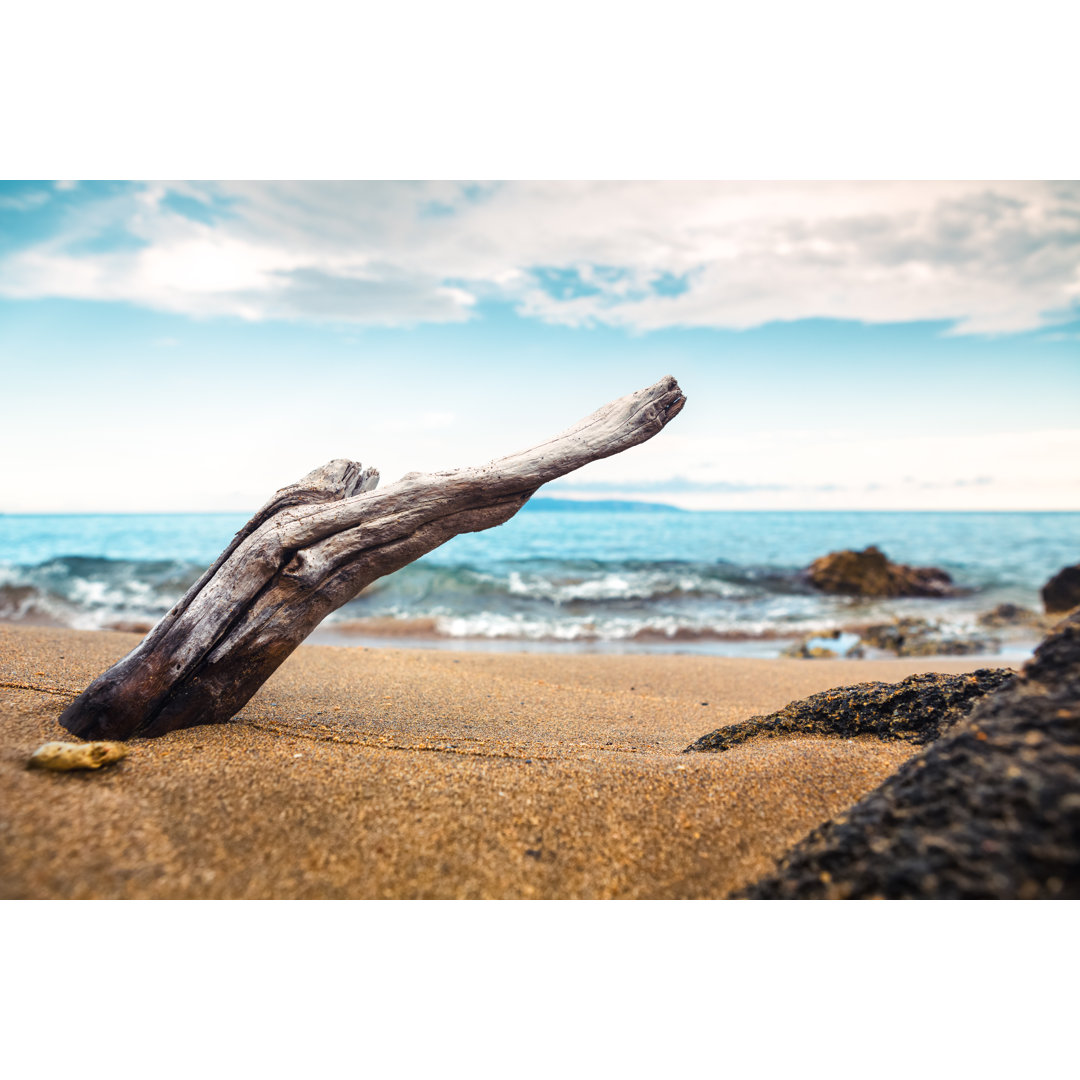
594 505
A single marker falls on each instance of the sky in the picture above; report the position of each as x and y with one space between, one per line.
842 345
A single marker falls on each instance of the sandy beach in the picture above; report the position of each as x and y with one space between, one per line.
391 773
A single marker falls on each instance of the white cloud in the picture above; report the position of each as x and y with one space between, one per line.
991 256
29 200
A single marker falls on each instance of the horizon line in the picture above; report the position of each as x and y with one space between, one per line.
636 502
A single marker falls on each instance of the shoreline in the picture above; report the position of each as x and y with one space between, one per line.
396 773
768 646
422 634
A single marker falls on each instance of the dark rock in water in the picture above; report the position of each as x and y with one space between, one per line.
1009 615
991 810
870 573
917 710
1062 592
919 637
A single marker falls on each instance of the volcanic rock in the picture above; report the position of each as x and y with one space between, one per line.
917 710
1062 592
991 810
871 573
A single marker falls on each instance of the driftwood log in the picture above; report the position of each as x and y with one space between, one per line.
312 548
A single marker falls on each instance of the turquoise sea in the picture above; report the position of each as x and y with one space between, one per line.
601 576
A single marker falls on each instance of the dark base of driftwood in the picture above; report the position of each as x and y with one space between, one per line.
119 704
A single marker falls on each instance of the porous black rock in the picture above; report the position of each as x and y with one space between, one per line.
1062 592
990 811
917 710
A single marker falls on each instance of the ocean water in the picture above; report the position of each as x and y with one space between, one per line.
585 576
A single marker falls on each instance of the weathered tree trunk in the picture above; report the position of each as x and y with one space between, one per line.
312 548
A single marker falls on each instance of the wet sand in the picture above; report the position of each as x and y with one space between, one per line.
394 773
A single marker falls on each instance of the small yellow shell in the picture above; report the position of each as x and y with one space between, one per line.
64 756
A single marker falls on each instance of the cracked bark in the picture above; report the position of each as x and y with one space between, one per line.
312 548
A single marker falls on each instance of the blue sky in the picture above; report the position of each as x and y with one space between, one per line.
195 346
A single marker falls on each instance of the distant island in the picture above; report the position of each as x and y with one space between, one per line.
590 505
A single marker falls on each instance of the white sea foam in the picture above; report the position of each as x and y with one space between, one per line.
619 585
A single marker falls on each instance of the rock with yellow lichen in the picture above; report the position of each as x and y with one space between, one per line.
66 757
917 710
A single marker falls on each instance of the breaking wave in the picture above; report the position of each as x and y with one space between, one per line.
91 593
530 601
